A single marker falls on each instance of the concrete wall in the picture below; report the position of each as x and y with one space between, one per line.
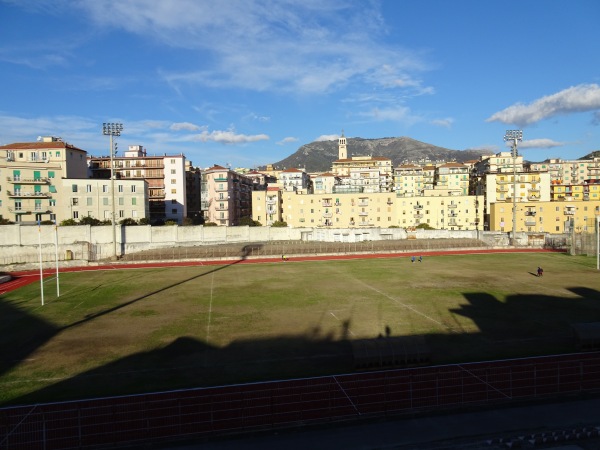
20 244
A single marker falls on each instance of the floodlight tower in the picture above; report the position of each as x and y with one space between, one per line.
112 129
514 136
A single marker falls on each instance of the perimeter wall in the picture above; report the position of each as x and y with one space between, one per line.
22 244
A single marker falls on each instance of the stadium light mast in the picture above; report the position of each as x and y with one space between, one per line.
112 129
514 136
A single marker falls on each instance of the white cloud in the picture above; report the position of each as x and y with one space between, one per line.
228 137
327 137
185 126
446 123
581 98
254 116
401 114
539 143
312 46
287 140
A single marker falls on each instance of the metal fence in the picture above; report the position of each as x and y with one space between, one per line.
207 412
300 248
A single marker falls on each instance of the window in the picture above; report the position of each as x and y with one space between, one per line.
173 171
120 188
75 214
89 201
121 213
174 211
134 201
172 161
133 188
173 191
75 201
105 201
173 201
74 187
50 174
173 181
105 188
134 213
88 188
121 201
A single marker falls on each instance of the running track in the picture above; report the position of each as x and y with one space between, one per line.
24 278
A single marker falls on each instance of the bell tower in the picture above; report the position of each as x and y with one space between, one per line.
342 150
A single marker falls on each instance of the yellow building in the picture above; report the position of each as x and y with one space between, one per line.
555 217
438 209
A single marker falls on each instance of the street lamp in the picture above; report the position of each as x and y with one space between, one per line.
514 136
112 129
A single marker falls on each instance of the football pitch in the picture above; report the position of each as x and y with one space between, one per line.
126 331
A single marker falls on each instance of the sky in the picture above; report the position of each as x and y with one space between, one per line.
247 82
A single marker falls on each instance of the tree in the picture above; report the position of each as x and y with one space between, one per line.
279 223
4 221
210 224
68 222
128 221
247 221
88 220
144 221
187 221
170 222
425 226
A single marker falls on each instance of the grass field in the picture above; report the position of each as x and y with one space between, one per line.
139 330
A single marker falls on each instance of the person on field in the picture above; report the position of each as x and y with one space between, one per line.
420 259
540 272
412 259
284 257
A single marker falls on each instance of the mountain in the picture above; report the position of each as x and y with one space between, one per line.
318 156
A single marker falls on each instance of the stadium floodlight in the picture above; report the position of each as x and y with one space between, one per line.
514 136
112 129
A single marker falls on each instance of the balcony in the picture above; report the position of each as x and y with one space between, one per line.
19 210
27 180
418 207
363 213
363 203
271 200
530 223
570 211
530 213
223 207
418 216
452 206
327 204
271 211
328 215
20 194
221 188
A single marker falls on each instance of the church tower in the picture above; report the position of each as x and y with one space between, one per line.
342 150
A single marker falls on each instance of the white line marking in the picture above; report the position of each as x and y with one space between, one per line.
347 396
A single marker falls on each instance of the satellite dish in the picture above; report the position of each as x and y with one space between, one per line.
39 138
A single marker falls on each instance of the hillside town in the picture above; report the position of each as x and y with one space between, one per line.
52 181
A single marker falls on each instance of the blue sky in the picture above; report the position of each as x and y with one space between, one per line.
246 82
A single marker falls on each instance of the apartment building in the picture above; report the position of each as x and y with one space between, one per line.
31 179
94 198
294 180
452 177
226 196
574 172
500 187
409 180
165 175
267 205
555 217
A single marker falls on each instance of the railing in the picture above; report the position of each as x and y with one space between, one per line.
28 194
26 180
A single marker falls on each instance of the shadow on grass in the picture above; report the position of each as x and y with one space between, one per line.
522 325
